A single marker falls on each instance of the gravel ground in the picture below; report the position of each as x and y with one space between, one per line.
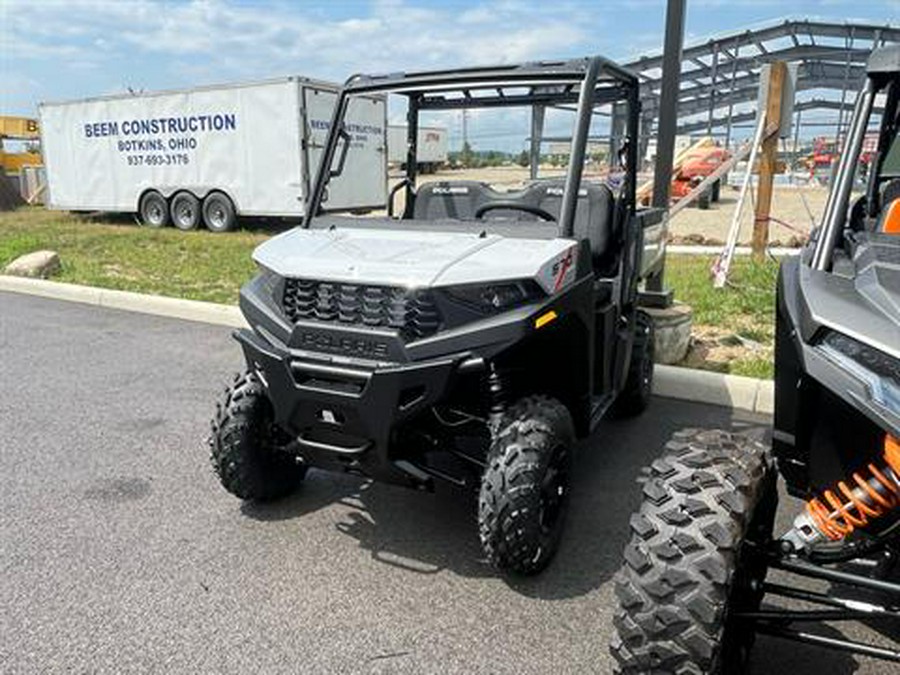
120 553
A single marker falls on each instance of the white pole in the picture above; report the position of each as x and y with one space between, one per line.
722 265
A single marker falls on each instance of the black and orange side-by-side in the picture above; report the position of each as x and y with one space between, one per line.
694 589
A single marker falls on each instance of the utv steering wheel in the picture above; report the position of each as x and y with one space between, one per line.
515 206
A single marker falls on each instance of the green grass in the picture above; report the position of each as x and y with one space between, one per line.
745 307
116 253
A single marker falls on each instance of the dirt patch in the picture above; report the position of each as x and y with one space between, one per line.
713 348
794 210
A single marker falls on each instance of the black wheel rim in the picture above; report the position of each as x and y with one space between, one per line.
554 491
747 581
647 372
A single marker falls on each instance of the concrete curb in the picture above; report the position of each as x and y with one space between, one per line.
703 386
692 249
176 308
687 384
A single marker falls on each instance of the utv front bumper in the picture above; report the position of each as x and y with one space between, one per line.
344 416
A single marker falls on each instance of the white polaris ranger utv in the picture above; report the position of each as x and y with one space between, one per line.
470 339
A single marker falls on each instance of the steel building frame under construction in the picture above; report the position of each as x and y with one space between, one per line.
722 74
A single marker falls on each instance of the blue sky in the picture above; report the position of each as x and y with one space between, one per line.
80 48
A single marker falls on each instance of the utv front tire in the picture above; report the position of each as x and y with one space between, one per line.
635 395
244 444
694 557
525 488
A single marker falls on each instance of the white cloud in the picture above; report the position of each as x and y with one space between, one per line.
249 40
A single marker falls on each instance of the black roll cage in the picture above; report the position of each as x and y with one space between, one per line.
883 72
587 83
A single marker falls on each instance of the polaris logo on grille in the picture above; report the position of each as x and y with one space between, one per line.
357 346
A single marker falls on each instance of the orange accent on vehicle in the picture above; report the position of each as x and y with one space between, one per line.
892 218
544 319
864 501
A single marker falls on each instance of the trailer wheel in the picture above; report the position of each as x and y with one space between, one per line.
218 212
716 191
185 211
154 210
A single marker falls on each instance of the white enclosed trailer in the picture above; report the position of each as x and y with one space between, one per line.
209 154
431 147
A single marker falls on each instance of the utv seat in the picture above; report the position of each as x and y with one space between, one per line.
458 199
593 215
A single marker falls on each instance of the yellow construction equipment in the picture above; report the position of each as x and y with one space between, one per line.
18 129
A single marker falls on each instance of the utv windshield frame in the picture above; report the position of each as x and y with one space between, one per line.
584 83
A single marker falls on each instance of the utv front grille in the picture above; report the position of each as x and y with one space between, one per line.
411 312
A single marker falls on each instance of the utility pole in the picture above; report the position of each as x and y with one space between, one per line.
465 125
667 124
768 159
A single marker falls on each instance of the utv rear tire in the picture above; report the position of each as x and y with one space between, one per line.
635 396
524 490
244 444
154 210
709 504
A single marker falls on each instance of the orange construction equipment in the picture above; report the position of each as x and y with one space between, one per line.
19 129
689 168
699 162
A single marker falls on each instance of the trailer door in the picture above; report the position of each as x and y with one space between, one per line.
363 184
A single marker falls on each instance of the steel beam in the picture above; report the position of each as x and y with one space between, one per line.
812 29
668 119
739 118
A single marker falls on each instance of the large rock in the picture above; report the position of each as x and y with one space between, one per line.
40 264
673 331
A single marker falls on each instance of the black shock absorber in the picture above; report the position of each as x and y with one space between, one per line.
496 395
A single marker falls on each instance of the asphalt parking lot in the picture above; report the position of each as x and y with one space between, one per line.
119 552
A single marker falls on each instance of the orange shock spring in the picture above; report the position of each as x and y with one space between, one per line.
867 498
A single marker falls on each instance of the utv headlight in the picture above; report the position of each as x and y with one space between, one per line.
880 372
497 297
268 280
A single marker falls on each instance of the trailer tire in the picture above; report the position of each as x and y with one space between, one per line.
154 210
716 191
524 492
218 212
185 211
635 395
696 555
243 442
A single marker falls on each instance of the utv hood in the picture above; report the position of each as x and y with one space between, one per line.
407 257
